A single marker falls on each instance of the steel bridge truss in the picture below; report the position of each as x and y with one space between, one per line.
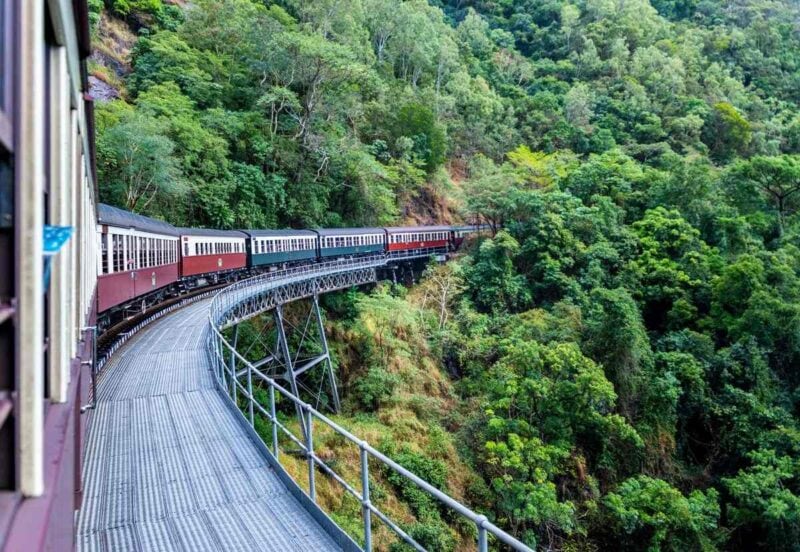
272 297
292 352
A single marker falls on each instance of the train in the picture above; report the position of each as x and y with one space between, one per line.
144 261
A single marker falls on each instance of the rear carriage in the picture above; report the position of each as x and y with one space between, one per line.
415 239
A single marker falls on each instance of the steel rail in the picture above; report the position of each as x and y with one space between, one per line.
220 315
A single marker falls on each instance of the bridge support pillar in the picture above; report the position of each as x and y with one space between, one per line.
326 353
289 374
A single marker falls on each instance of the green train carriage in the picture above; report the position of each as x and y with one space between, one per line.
348 242
280 247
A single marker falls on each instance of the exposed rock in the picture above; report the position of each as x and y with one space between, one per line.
102 91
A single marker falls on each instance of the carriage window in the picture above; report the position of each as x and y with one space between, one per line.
116 252
104 253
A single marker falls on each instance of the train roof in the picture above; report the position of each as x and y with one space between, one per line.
279 233
396 229
211 232
113 216
348 231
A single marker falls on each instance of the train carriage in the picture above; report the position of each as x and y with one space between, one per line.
138 255
276 247
211 252
401 239
346 242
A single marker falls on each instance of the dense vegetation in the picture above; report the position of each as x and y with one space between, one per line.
622 356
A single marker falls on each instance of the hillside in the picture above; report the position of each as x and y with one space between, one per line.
616 368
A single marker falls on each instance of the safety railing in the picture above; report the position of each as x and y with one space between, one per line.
229 373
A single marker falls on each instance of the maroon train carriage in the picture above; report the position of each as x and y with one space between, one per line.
211 253
411 238
138 255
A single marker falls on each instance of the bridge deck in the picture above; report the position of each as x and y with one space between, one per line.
168 467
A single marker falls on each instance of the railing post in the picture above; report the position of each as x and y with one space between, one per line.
250 398
234 378
312 485
275 449
483 540
365 511
93 363
222 367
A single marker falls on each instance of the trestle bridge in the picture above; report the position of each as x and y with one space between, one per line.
174 461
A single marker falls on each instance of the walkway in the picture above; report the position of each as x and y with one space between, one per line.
168 466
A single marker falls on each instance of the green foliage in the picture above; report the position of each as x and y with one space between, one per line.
126 7
424 506
727 133
433 536
137 162
655 516
418 123
765 495
493 277
95 9
375 387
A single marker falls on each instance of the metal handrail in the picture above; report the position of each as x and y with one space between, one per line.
220 348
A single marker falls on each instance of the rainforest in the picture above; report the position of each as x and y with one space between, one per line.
616 365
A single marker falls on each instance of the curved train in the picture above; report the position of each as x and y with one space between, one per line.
143 261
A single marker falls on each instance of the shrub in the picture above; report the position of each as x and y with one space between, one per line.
374 388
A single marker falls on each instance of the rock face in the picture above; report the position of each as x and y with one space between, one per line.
101 90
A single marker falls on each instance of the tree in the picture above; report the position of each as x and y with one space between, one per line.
766 498
726 132
776 178
418 123
138 164
616 337
570 15
652 513
442 284
490 192
495 283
